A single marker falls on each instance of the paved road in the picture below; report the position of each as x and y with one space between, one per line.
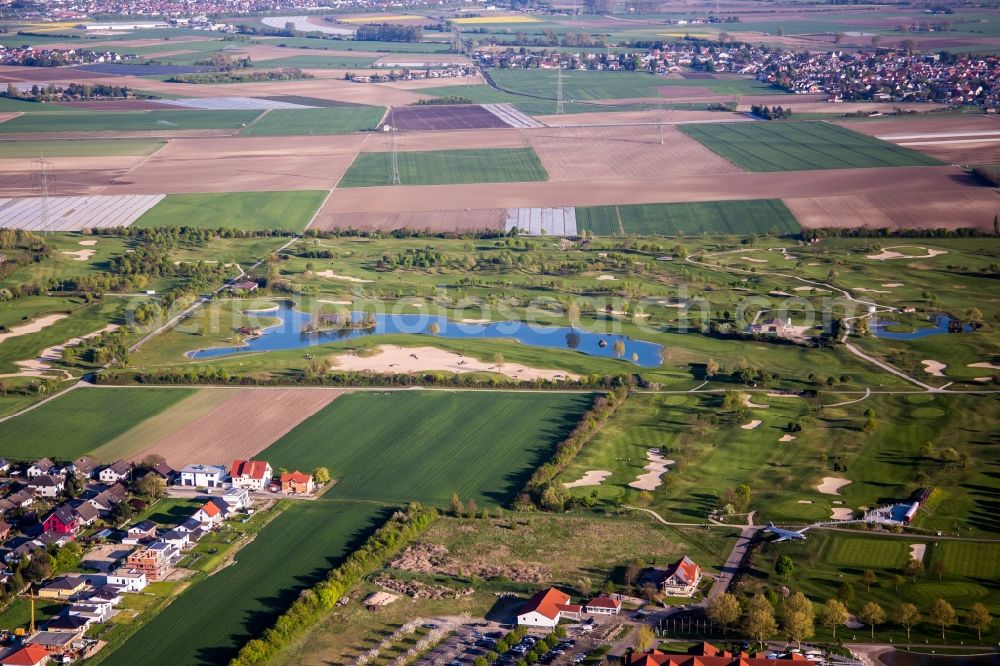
735 560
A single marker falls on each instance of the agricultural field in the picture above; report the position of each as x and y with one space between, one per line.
765 216
323 62
798 146
82 148
247 211
127 121
315 122
447 167
81 420
442 117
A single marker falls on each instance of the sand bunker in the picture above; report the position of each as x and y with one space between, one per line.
37 367
816 289
752 425
756 261
337 302
983 364
79 255
805 501
842 514
657 466
917 551
751 404
872 291
88 243
334 276
32 327
934 367
395 359
782 394
892 285
831 485
475 321
887 253
853 622
982 380
606 277
592 478
778 293
787 438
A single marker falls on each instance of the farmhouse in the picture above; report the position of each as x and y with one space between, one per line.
771 326
546 608
251 474
203 476
680 579
116 472
297 482
244 285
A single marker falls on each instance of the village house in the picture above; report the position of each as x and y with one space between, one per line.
165 472
176 538
140 532
251 474
119 471
705 654
129 580
63 587
108 498
84 467
237 498
22 498
4 530
153 560
46 485
297 482
603 605
680 579
68 623
209 514
203 476
29 655
85 512
56 643
546 608
63 520
4 463
40 467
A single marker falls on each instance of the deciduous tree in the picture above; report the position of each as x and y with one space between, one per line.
908 617
797 618
942 614
724 609
978 618
872 615
833 614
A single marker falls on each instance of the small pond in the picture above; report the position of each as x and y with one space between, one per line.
288 334
942 323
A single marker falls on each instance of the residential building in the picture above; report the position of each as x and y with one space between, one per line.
47 485
85 512
251 474
297 482
203 476
4 465
139 532
119 471
40 467
705 654
209 514
108 498
176 538
153 560
84 466
129 580
68 622
237 498
54 642
603 605
680 579
29 655
63 587
165 472
4 530
62 521
546 608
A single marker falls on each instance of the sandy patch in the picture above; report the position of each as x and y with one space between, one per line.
755 261
752 425
831 485
842 514
981 380
37 367
395 359
780 394
934 367
605 277
805 501
592 478
778 293
32 327
79 255
816 289
751 404
888 253
337 302
88 242
476 321
984 364
334 276
871 291
917 551
787 438
657 466
379 599
892 285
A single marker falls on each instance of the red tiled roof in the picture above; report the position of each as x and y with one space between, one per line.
295 477
685 569
211 509
569 608
546 602
657 658
255 469
26 656
603 602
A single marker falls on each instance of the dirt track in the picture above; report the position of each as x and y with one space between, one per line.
241 427
446 140
647 116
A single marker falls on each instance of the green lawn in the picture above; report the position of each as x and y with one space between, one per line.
362 46
171 511
209 622
426 446
759 216
799 146
319 122
239 210
320 61
122 121
859 552
84 148
586 85
975 560
447 167
80 421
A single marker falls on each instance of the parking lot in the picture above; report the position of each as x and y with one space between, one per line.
476 639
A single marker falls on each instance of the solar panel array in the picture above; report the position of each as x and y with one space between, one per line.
74 213
533 221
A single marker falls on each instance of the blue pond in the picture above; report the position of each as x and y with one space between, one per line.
288 334
942 324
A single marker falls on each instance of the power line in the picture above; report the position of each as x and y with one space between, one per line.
559 90
43 186
393 157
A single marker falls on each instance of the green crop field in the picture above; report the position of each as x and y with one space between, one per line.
239 210
122 121
285 122
976 560
447 167
84 148
862 553
758 216
320 61
584 85
208 623
426 446
81 420
799 146
320 44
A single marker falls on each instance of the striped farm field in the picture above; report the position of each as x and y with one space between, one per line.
80 148
758 216
447 167
316 122
862 553
125 121
82 420
801 146
972 559
250 211
425 446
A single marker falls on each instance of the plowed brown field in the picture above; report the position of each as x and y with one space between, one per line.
241 427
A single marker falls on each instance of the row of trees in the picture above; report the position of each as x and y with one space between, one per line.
796 617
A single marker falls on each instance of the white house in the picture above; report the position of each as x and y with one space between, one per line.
115 472
680 579
603 605
40 467
45 485
251 474
237 498
209 514
546 608
203 476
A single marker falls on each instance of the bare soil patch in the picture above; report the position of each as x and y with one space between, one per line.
442 117
14 74
638 117
429 558
241 427
503 137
